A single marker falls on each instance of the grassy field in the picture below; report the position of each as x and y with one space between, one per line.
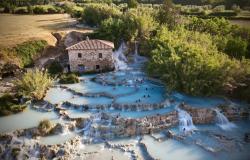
15 29
242 23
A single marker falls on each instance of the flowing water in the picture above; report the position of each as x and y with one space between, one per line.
223 122
185 121
129 85
120 58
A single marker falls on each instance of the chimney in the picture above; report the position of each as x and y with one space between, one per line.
87 38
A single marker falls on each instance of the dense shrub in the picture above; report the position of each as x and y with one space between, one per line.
21 11
223 14
30 9
52 10
112 29
44 127
94 14
9 105
228 38
69 78
9 56
167 14
236 48
29 50
213 26
9 8
189 61
34 84
136 24
40 10
68 7
55 68
132 3
23 54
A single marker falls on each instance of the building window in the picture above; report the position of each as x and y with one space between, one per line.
100 55
79 55
97 66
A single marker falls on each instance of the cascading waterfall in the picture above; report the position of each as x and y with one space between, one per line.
120 58
137 57
185 121
88 130
222 121
66 130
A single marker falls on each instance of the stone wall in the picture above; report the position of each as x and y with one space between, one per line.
200 115
90 58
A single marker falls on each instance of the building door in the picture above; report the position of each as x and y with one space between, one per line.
81 68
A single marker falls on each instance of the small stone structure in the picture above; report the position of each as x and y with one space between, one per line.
91 56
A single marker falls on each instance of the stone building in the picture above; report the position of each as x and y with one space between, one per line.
91 56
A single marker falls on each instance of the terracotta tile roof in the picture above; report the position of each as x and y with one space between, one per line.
92 44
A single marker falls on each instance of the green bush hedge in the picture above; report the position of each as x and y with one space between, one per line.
21 11
40 10
69 78
223 14
47 9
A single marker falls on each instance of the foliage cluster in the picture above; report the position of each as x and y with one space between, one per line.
200 57
34 84
30 50
23 54
228 38
44 127
55 68
94 14
134 25
227 3
69 78
9 105
42 8
188 61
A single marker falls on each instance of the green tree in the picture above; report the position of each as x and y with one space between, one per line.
132 3
167 14
30 9
213 26
94 14
236 47
188 61
112 29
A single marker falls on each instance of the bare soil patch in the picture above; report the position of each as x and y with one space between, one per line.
15 29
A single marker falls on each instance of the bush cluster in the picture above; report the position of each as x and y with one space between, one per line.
69 78
55 68
34 84
23 54
9 104
94 14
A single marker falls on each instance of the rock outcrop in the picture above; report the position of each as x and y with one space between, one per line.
235 113
200 115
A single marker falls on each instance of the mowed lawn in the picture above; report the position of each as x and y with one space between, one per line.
15 29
